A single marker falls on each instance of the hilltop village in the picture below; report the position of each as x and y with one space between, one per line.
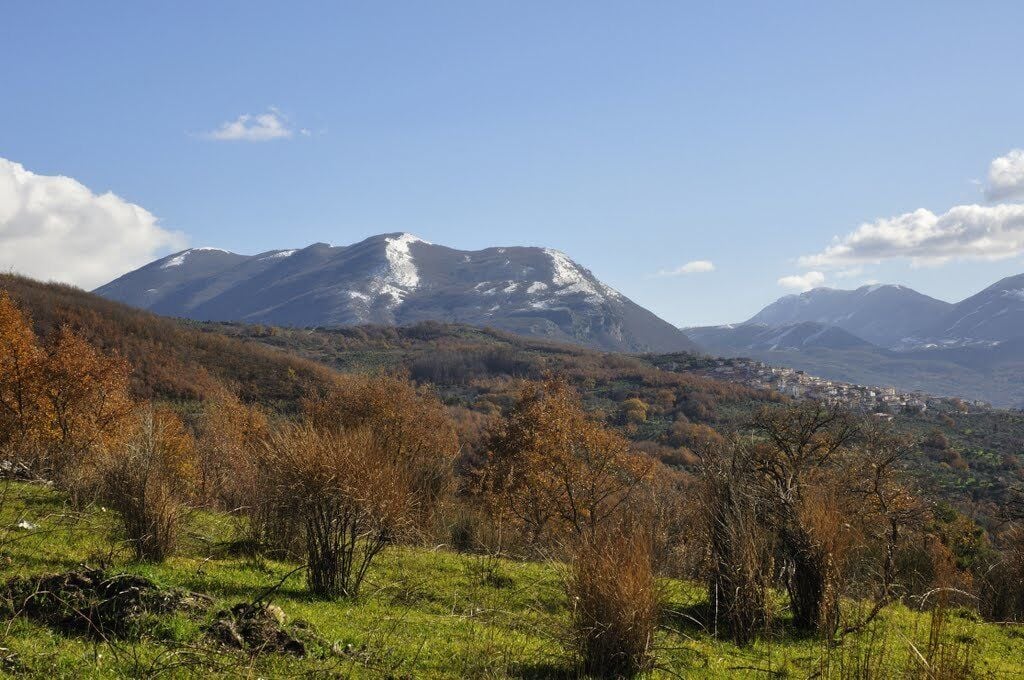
801 385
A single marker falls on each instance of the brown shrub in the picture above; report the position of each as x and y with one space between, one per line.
148 481
409 424
739 543
615 603
557 473
229 433
347 494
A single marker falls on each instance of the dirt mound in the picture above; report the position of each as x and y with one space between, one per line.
94 603
260 628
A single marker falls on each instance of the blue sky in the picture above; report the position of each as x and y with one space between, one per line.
636 137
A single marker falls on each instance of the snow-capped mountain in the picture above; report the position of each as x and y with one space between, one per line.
884 315
994 315
889 334
398 279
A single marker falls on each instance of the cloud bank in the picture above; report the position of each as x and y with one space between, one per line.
55 228
925 238
694 267
802 282
989 232
1006 177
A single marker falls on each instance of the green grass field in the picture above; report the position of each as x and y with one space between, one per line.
424 614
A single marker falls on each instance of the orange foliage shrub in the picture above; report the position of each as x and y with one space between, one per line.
554 471
86 397
616 603
407 422
149 479
346 494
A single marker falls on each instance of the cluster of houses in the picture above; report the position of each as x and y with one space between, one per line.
799 384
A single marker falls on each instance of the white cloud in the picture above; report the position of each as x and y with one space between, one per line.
1006 176
965 231
802 282
255 128
55 228
694 267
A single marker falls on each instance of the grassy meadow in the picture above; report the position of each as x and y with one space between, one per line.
426 613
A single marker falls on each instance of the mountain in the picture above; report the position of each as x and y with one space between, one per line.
883 315
994 315
399 279
891 335
759 337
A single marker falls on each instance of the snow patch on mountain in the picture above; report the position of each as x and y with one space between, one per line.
568 276
1017 294
180 258
279 255
398 277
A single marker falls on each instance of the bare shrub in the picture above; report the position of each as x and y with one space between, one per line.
1000 580
615 603
739 544
409 424
799 442
946 654
148 480
229 434
555 472
349 495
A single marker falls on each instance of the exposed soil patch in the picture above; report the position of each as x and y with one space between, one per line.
261 628
94 603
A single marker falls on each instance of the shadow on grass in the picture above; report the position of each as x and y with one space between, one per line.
692 618
543 671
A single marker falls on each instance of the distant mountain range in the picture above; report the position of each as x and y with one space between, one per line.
399 279
891 335
882 315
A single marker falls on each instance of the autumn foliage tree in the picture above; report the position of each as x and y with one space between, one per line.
60 403
86 394
556 472
21 369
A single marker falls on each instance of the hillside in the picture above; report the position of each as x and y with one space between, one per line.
475 371
399 279
428 613
172 360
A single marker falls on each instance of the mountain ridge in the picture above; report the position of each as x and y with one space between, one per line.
397 278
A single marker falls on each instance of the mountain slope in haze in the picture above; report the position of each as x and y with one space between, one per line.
974 349
881 314
996 315
750 337
399 279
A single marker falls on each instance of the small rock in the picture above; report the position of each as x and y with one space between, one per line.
25 525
